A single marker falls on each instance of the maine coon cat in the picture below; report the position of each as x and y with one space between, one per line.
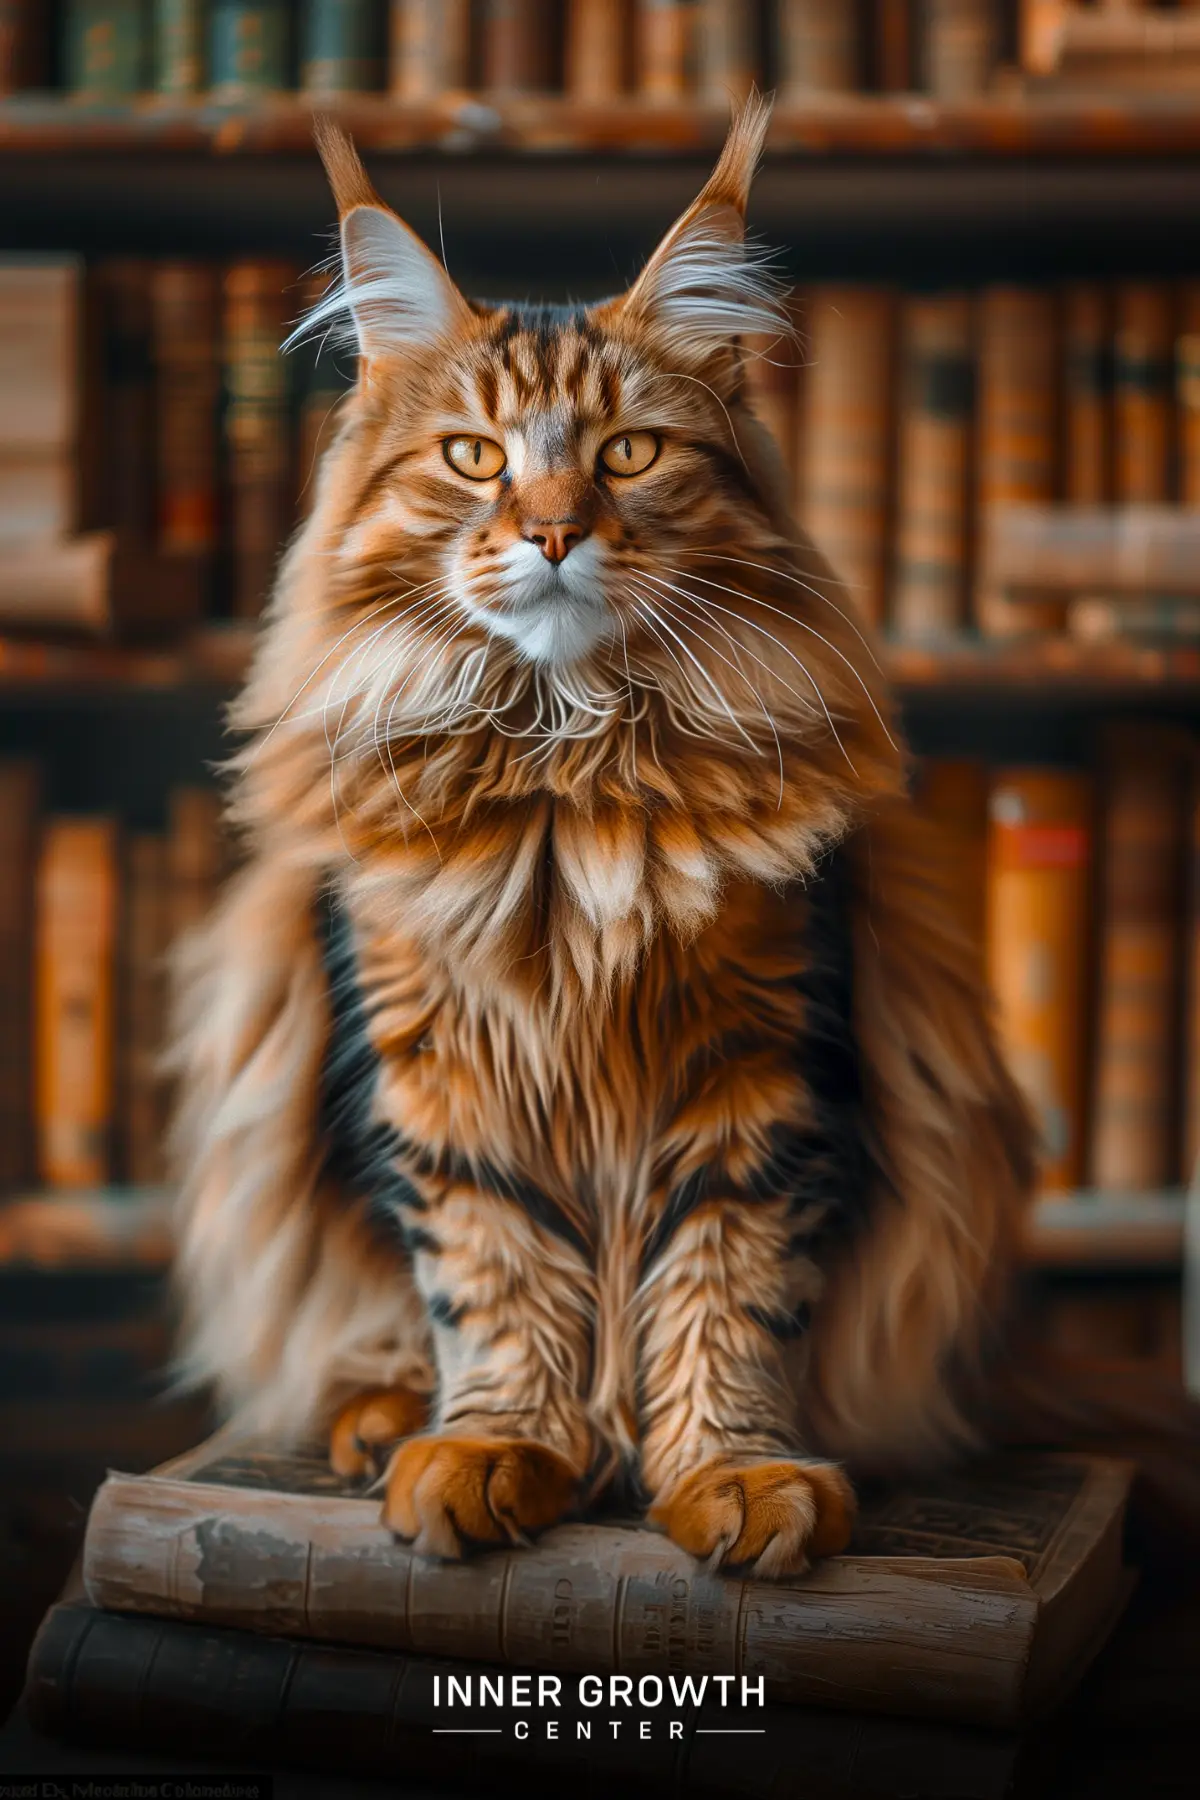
583 1072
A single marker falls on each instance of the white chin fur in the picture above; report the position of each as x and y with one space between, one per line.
553 614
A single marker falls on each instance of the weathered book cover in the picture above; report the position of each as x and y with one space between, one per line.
975 1598
139 1683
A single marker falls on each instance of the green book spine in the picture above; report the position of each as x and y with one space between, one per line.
249 47
342 47
179 47
105 48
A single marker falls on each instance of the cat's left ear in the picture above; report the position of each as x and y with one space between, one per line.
705 286
394 291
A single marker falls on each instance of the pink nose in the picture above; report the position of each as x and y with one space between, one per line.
555 540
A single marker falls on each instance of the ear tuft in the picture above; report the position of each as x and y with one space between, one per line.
731 180
343 166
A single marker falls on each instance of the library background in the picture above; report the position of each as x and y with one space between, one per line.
992 424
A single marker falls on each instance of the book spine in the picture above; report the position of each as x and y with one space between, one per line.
1187 393
19 786
894 45
666 48
76 921
179 47
597 50
961 42
144 940
845 472
22 45
818 48
1038 857
104 49
936 407
954 792
517 45
341 47
1140 883
125 449
1191 1047
195 856
1087 395
1018 432
183 304
248 48
430 48
1142 393
256 427
727 49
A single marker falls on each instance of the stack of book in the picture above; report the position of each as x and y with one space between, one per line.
250 1606
595 51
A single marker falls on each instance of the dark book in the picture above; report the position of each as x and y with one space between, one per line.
179 47
249 42
105 48
1142 392
121 440
19 794
342 46
518 47
935 410
257 428
24 44
183 307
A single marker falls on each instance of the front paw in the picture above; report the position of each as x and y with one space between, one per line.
770 1517
446 1493
371 1422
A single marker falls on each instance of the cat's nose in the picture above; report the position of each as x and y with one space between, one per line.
555 539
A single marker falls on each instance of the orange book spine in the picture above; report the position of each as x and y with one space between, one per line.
1087 395
936 406
73 984
1038 858
665 48
1142 393
1140 885
430 48
597 53
1018 431
845 473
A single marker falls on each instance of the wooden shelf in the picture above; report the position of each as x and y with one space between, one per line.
1086 1231
866 125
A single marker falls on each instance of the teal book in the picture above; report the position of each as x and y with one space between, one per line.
248 47
342 48
179 47
104 48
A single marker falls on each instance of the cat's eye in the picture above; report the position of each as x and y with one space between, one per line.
478 458
629 453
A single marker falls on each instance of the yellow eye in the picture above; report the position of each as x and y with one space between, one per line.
629 453
476 457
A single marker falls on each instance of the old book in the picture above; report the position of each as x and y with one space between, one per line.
19 795
1017 434
256 425
183 309
195 855
249 44
665 48
819 48
517 45
843 486
430 48
1191 1026
145 939
728 55
1140 879
1142 392
93 584
123 480
179 60
1027 1549
936 394
953 791
104 1679
960 46
1038 862
1087 394
41 366
105 48
341 47
1134 551
76 914
24 45
1187 393
597 58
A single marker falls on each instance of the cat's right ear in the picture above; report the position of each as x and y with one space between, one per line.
394 292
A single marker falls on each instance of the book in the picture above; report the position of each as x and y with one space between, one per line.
665 59
178 47
183 309
430 48
1191 1029
1138 1321
953 791
41 382
843 486
123 446
728 60
341 47
256 427
1018 433
93 584
1038 863
194 856
1087 395
894 46
145 937
517 45
76 905
19 796
936 392
105 44
1158 619
1187 393
1142 392
974 1598
1140 879
818 48
23 45
596 59
960 46
101 1678
249 43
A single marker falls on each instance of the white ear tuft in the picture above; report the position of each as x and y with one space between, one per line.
393 295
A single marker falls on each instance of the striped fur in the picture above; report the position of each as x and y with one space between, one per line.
585 1053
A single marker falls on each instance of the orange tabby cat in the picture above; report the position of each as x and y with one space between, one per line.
584 1071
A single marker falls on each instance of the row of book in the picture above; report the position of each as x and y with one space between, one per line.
87 918
1083 887
910 420
593 50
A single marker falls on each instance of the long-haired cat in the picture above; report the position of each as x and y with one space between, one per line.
584 1070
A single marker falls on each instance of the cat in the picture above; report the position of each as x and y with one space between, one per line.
584 1073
